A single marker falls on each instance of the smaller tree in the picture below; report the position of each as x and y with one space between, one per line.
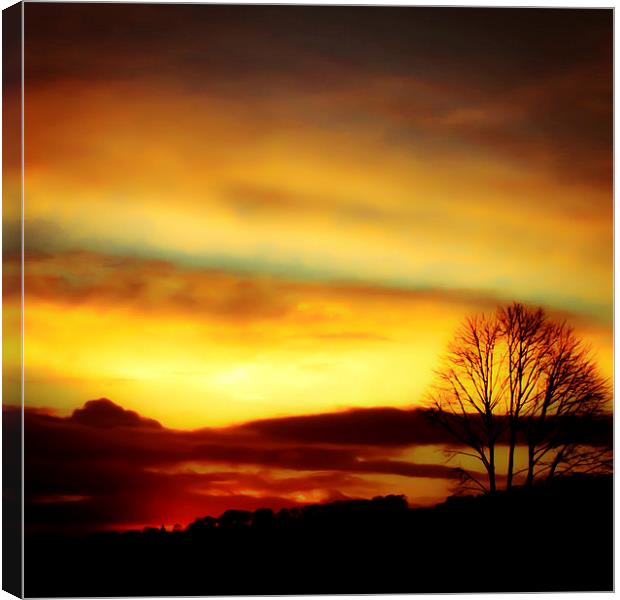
570 398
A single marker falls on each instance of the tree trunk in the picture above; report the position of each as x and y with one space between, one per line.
491 469
530 464
554 465
511 455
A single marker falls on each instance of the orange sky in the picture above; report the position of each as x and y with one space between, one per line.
241 213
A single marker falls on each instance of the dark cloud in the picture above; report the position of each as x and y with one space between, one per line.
147 285
371 426
83 277
104 413
106 466
533 84
492 46
407 469
77 278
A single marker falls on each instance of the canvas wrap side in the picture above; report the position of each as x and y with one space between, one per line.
12 439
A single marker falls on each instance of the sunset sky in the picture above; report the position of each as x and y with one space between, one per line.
243 213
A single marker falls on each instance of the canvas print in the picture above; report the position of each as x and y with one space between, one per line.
307 299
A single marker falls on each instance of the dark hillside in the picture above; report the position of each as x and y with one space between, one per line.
549 538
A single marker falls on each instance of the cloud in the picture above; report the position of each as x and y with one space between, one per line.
372 427
105 466
493 79
82 277
104 413
436 147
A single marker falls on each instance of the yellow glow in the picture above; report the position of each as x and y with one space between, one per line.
226 188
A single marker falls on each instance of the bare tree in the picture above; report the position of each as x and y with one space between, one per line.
523 332
518 378
571 394
469 389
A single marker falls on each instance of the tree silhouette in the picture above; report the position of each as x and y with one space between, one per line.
570 396
518 378
468 392
523 333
